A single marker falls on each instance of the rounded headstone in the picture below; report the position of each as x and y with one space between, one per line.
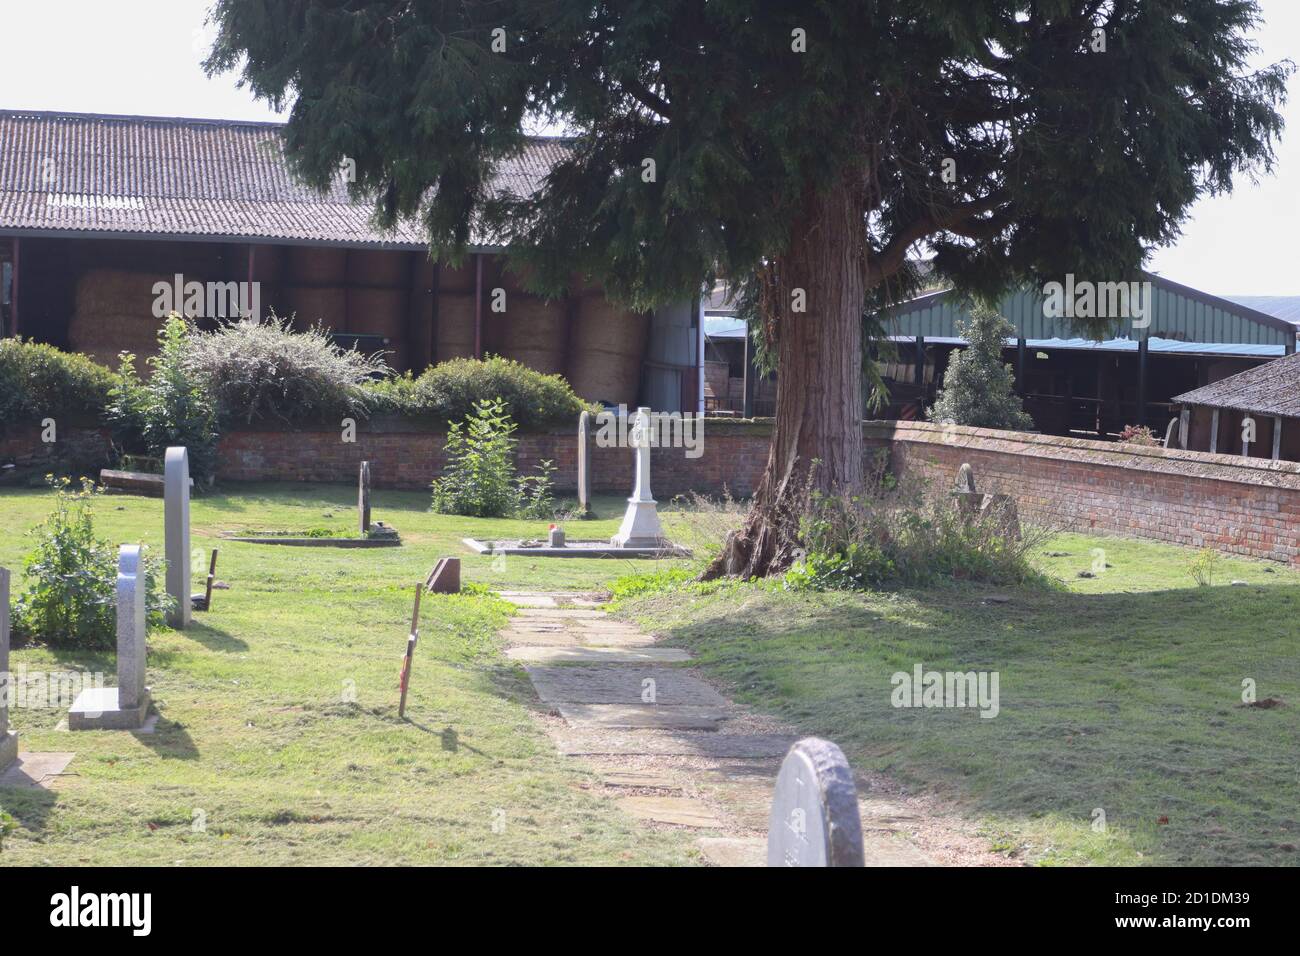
815 818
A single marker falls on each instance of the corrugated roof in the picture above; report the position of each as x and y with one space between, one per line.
91 173
1179 314
1285 307
1272 389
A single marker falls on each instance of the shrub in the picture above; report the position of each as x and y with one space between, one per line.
978 387
1140 435
39 381
71 600
904 537
266 370
174 407
479 479
1203 567
452 390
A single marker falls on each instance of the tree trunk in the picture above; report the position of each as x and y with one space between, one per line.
817 438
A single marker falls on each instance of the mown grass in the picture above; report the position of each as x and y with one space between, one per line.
279 732
1121 691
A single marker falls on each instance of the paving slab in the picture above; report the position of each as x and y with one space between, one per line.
542 613
637 716
32 770
633 780
577 741
578 639
679 811
881 849
621 684
597 655
529 600
734 851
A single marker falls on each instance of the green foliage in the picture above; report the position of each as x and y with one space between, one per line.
880 93
7 826
266 370
452 390
1203 567
642 583
979 389
71 598
535 493
905 538
173 407
39 381
479 478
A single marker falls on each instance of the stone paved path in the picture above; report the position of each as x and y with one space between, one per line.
667 747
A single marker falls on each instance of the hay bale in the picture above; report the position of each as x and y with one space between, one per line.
459 279
313 305
316 265
377 312
606 351
534 332
112 313
378 268
455 326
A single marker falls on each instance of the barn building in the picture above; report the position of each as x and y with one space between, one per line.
1255 413
95 210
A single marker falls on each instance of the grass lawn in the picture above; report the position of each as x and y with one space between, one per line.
1120 692
259 740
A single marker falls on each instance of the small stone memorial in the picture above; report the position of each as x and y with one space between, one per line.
126 706
1000 509
363 498
641 528
176 515
815 819
584 463
8 738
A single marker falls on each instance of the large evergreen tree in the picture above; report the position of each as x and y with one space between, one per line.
802 146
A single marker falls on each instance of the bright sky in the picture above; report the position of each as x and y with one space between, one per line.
142 57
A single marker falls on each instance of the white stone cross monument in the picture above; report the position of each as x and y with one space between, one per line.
126 706
176 529
641 528
815 818
8 738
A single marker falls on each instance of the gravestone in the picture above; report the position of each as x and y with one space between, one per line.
999 509
363 498
126 706
815 819
640 528
584 462
8 738
176 515
445 577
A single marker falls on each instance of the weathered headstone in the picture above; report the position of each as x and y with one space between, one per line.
445 577
999 509
8 738
815 819
584 462
176 515
126 706
363 498
640 528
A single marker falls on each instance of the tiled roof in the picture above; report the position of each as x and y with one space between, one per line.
69 172
1270 389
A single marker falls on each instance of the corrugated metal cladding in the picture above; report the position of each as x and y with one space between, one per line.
1178 313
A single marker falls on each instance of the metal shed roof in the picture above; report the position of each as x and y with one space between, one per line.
1179 314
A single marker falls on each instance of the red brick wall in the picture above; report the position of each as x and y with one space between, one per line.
1244 506
405 456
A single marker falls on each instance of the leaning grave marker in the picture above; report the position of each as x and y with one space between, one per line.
176 515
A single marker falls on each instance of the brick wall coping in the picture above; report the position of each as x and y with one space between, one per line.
1259 472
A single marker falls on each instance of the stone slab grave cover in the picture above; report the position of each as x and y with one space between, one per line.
176 521
126 706
8 738
815 819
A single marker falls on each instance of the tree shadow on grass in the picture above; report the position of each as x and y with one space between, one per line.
30 806
1131 702
170 740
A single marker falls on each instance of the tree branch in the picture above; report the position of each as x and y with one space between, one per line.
891 257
